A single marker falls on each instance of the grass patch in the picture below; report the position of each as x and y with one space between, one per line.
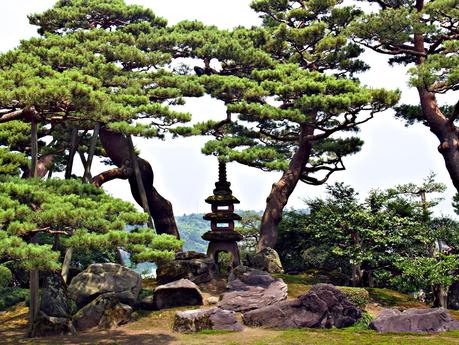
391 298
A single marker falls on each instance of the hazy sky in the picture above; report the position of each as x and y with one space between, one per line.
392 154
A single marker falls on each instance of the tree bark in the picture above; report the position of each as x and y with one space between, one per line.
72 151
440 296
139 180
66 264
443 128
92 149
282 190
117 148
357 275
34 274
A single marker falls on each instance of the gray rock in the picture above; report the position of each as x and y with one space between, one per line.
414 320
212 300
323 306
180 293
198 270
201 319
250 289
99 279
104 312
267 260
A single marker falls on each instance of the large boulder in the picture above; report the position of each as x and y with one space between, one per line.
250 289
99 279
105 312
201 319
188 265
414 320
180 293
324 306
267 260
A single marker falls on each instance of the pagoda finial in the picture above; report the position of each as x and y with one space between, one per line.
221 171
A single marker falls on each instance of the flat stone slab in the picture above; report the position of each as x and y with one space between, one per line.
414 320
212 319
250 289
180 293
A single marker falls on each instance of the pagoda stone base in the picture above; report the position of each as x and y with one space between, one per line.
222 246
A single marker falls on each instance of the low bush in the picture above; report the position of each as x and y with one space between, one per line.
11 296
358 296
6 277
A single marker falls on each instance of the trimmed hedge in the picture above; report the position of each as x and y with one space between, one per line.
358 296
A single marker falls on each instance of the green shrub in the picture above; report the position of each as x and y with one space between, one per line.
11 296
358 296
364 323
6 277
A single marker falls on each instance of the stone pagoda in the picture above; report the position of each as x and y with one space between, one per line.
222 237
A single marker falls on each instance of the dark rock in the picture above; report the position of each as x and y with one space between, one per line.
197 270
99 279
252 289
46 325
453 296
414 320
147 303
189 255
55 299
201 319
104 312
267 260
180 293
324 306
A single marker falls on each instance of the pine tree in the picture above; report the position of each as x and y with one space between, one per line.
424 36
291 94
94 67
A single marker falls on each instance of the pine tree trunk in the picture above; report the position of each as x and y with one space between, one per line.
281 191
66 264
443 127
139 181
116 147
34 274
72 151
92 150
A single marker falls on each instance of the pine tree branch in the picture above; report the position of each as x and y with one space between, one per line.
112 174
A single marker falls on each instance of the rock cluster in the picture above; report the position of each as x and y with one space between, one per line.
324 306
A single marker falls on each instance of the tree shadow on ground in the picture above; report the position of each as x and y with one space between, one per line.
102 337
